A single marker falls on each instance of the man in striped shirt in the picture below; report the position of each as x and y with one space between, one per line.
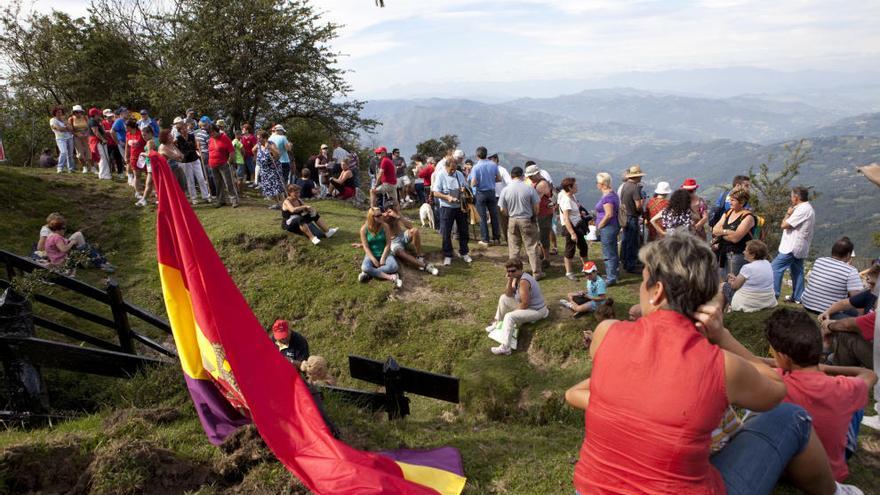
832 279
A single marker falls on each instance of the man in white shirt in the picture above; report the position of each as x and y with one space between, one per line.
797 234
339 153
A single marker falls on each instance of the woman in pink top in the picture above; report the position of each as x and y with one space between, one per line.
662 383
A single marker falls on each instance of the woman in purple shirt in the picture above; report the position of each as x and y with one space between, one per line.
608 226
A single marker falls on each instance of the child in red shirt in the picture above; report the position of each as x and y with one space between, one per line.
833 395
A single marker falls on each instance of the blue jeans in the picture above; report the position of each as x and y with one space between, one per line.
757 456
65 153
486 202
448 217
251 166
420 192
608 235
784 262
629 244
389 267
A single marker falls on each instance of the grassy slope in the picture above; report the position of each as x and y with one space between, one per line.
515 434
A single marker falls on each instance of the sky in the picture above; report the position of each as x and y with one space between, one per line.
435 43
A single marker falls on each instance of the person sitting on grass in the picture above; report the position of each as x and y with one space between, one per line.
405 235
850 340
376 238
342 187
589 300
832 279
297 216
835 396
292 345
660 385
752 290
308 186
521 302
860 304
57 248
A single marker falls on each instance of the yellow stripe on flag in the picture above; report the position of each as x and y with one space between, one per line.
445 482
178 305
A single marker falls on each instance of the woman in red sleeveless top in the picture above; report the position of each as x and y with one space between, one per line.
661 384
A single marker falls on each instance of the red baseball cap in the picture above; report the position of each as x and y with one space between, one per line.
690 184
589 267
280 329
381 149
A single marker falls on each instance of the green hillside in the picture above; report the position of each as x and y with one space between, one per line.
142 436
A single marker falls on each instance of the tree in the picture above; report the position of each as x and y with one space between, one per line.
261 61
437 147
771 191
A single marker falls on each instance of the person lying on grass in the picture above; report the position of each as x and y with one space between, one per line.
661 384
296 216
835 396
589 300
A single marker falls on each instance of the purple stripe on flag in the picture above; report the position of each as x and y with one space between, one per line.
445 458
218 417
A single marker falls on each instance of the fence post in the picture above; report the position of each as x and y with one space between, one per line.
120 317
396 403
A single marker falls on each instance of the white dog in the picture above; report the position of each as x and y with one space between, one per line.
426 214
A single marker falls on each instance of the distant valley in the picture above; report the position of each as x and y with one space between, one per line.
671 136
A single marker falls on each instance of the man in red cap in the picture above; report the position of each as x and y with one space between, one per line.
292 345
386 179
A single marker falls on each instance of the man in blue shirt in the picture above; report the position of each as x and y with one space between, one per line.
483 177
147 121
447 190
118 128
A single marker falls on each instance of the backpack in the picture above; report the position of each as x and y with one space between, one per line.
718 210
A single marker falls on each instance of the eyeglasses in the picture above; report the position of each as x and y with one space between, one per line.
512 270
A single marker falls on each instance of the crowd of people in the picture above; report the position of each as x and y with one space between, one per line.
211 162
695 262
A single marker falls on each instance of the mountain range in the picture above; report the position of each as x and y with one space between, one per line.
671 136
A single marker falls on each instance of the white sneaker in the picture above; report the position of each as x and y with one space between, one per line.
59 171
491 326
501 350
398 282
432 269
331 232
872 421
316 241
847 490
363 277
447 261
141 202
85 170
467 258
483 243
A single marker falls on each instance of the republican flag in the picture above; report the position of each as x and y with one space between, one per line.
235 375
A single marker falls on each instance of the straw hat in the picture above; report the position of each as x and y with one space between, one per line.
634 171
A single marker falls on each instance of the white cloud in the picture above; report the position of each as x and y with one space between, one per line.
574 39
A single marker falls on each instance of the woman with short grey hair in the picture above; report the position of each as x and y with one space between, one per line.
661 384
608 226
